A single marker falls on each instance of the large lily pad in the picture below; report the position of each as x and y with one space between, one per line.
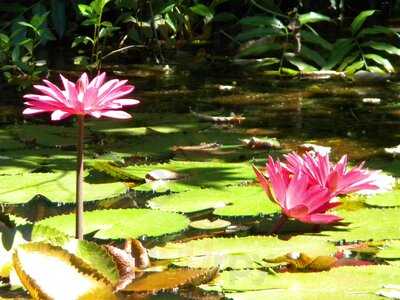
385 199
196 175
243 252
37 160
231 201
50 272
8 141
46 135
170 279
121 223
340 283
365 224
58 187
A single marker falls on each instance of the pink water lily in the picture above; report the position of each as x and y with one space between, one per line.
97 98
295 195
338 179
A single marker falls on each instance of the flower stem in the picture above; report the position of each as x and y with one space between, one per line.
79 180
278 225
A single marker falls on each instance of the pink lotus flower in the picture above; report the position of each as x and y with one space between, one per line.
336 178
298 198
96 98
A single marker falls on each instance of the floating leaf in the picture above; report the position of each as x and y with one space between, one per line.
243 252
58 187
385 199
232 201
50 272
114 171
196 174
206 224
171 279
46 135
96 257
8 141
345 283
121 223
359 225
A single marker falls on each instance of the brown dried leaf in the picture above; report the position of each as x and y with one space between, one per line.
139 252
300 262
169 280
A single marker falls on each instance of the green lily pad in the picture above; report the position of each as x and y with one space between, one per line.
50 272
196 175
385 199
365 224
37 160
45 135
339 283
8 141
58 187
391 252
121 223
227 202
243 252
206 224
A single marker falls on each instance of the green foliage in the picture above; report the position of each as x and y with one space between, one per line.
58 187
341 283
34 262
19 44
121 223
359 51
229 202
239 252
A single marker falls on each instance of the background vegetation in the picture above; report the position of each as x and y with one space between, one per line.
289 36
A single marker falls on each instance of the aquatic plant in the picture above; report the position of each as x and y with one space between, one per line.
336 178
306 187
97 98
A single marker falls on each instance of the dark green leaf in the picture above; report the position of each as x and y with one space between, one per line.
300 64
340 49
202 10
58 17
85 10
348 60
312 55
224 17
382 61
258 50
383 47
354 67
360 19
262 21
257 33
312 17
315 38
375 30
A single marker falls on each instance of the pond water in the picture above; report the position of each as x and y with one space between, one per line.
332 112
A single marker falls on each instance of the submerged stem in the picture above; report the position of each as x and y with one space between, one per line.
279 224
79 180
